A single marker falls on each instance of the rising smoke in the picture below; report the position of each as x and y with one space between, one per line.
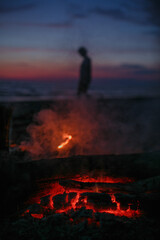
104 127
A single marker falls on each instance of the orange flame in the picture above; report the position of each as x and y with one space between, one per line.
67 139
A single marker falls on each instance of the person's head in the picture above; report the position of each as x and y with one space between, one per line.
82 51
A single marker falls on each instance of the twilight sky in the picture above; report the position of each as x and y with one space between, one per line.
39 38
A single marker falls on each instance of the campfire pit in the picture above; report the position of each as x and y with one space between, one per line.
69 196
92 193
99 184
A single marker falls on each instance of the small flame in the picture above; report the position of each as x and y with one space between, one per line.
67 139
18 147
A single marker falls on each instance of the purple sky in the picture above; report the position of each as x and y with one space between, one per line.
39 38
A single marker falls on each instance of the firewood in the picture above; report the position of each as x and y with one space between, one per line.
91 186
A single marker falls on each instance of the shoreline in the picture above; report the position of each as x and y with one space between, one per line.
69 98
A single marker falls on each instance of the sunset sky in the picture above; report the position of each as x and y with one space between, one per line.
39 39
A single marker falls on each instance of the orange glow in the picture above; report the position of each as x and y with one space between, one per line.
79 202
36 70
37 215
67 139
13 145
20 147
102 179
78 199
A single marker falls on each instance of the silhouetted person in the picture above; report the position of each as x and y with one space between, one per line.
85 72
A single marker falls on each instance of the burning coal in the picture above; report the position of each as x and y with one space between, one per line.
68 196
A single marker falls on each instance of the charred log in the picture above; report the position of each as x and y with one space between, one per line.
92 186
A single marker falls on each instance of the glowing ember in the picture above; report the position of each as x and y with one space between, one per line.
78 202
13 145
67 139
119 212
37 215
62 200
18 147
101 179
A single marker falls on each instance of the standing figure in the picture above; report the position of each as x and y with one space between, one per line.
85 72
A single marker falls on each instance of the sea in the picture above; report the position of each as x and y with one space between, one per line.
23 90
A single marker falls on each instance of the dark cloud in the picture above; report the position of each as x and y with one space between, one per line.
114 13
135 5
148 71
52 24
79 15
118 14
154 33
130 50
32 49
145 50
56 25
134 71
76 11
153 9
146 12
133 66
9 9
138 69
125 66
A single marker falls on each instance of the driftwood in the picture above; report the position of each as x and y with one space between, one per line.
143 186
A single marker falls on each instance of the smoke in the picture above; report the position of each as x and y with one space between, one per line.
104 127
78 119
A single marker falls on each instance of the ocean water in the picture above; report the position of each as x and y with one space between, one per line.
47 90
